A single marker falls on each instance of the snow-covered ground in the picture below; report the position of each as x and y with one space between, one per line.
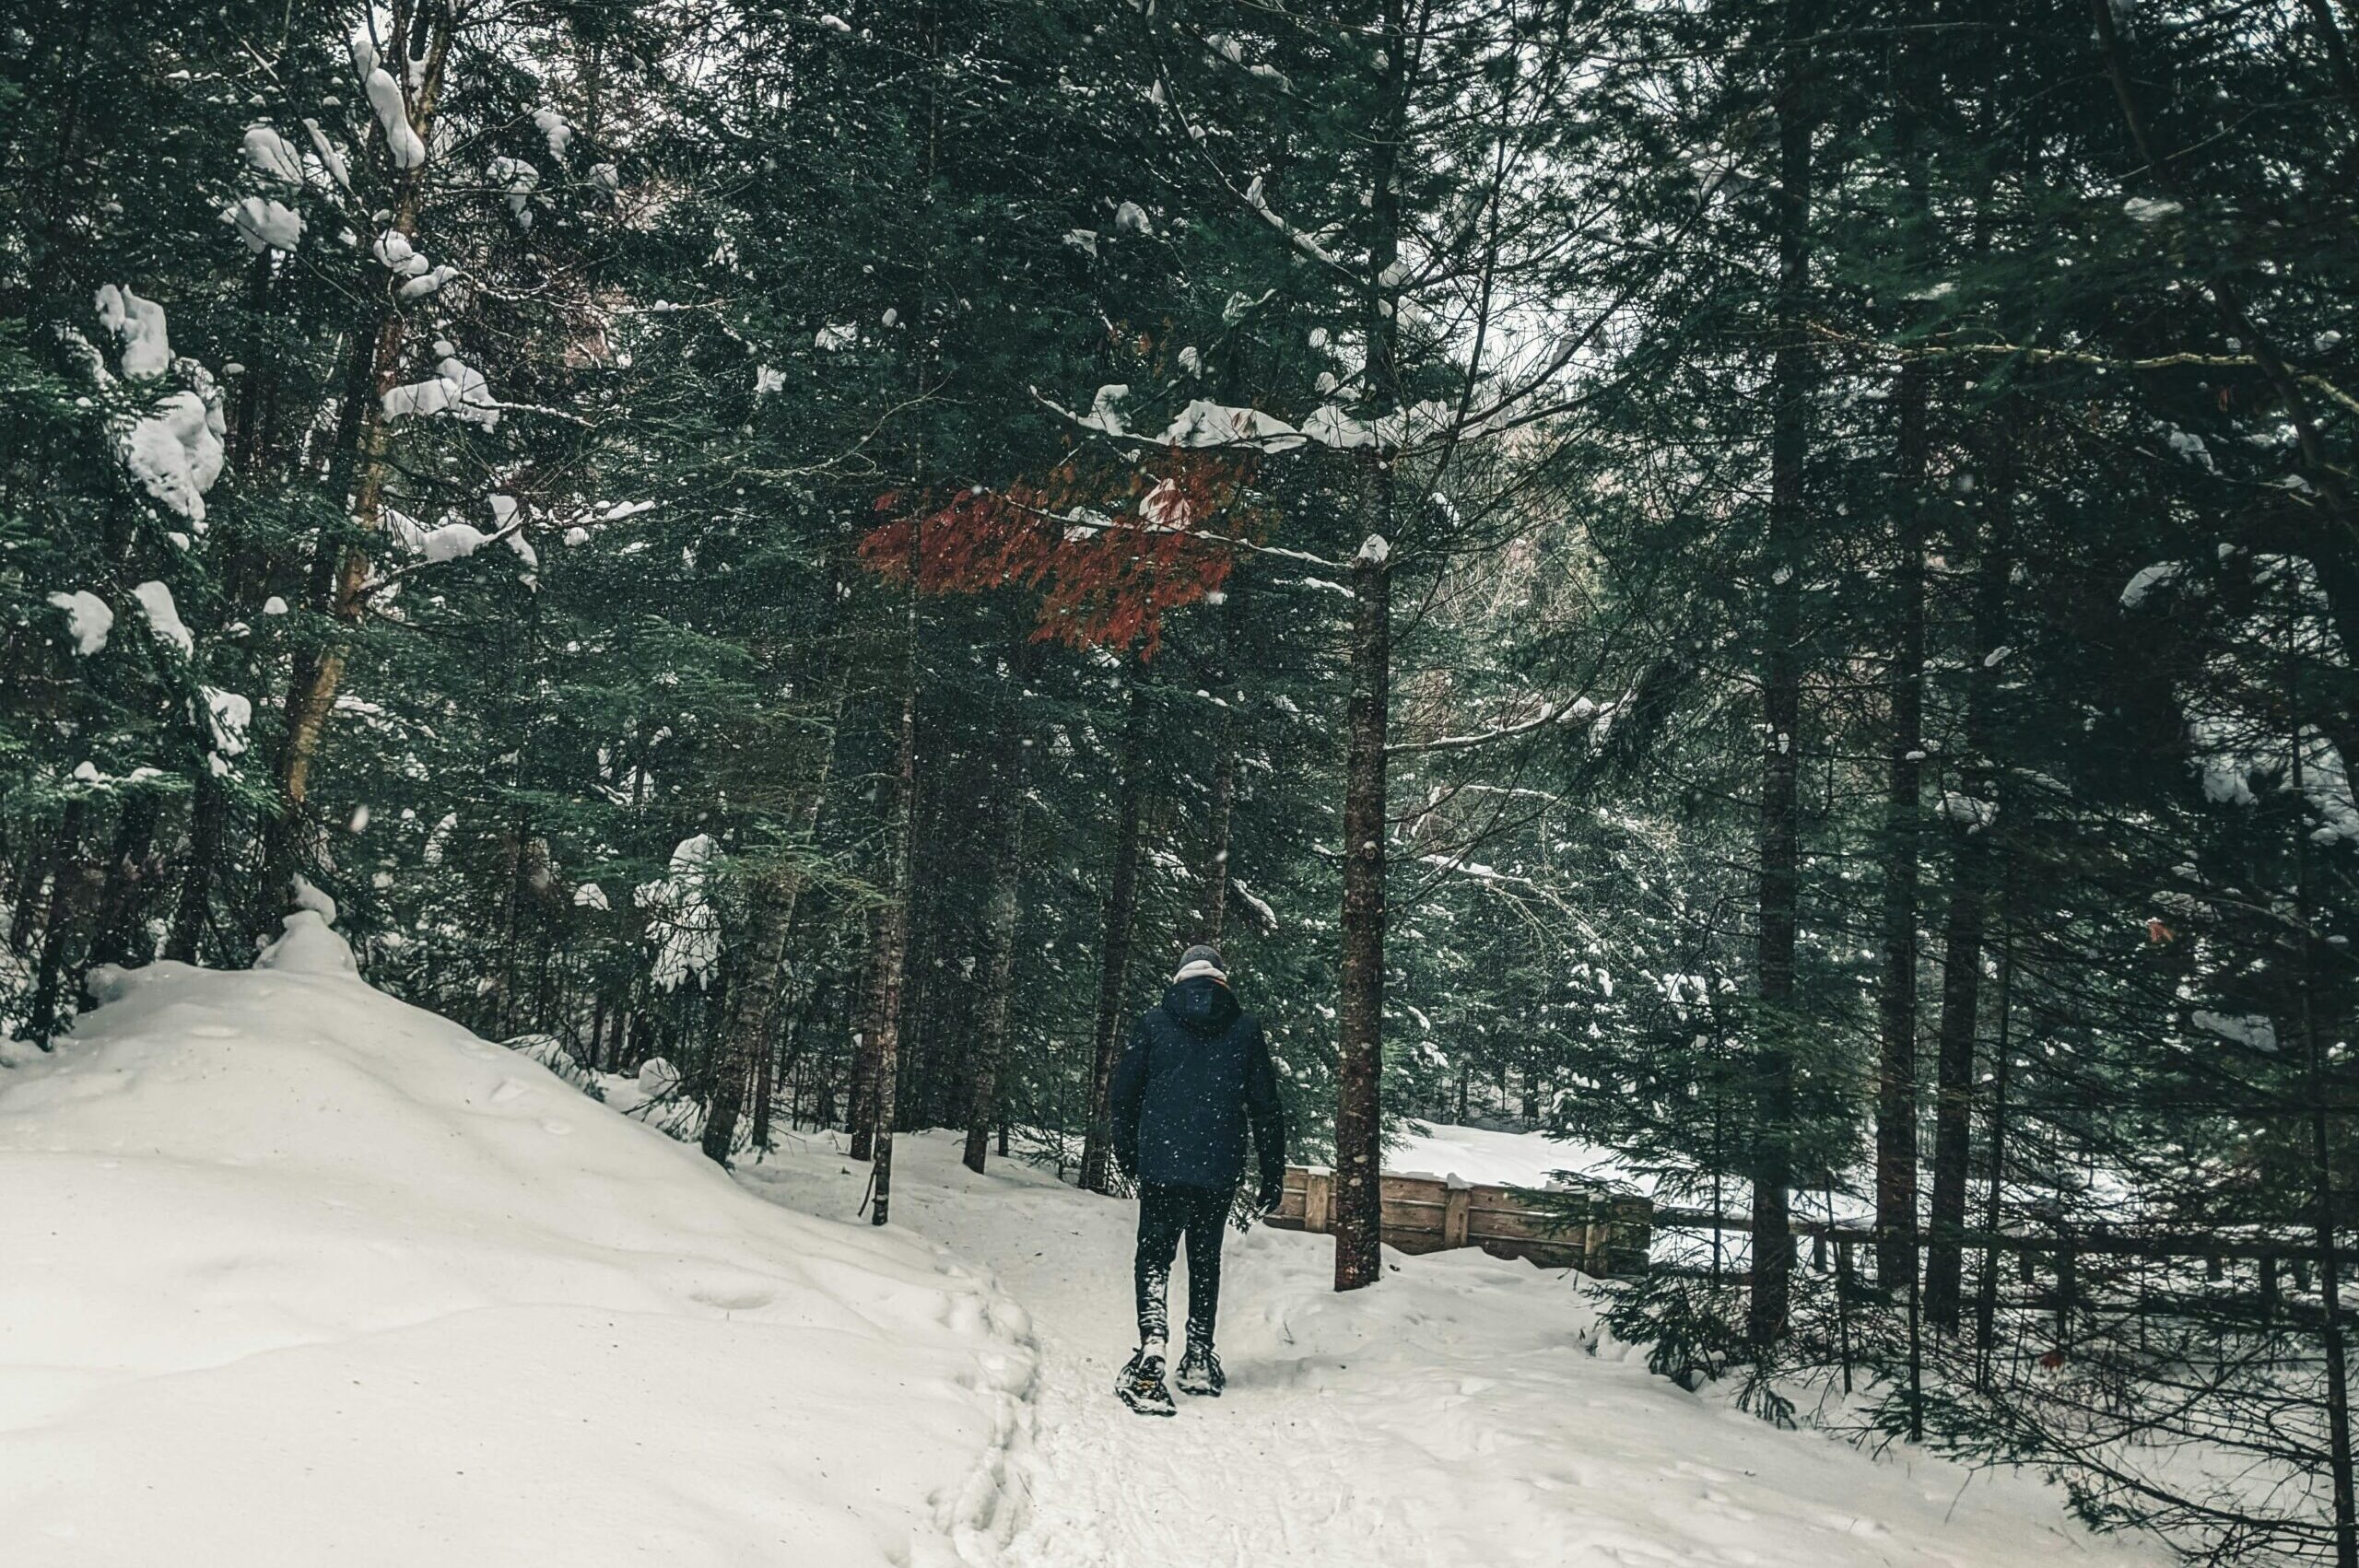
1502 1158
1462 1414
291 1274
298 1275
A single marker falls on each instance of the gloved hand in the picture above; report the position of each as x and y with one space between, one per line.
1273 1194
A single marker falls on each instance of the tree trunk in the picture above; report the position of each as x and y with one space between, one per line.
208 837
57 927
1359 1014
121 934
999 960
2322 1189
1773 1254
341 572
1896 979
1897 1108
1986 1294
765 1091
893 931
1114 952
750 1002
744 1046
1212 893
1962 935
1359 1109
860 1104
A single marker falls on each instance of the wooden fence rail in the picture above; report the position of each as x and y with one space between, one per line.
1596 1232
2090 1240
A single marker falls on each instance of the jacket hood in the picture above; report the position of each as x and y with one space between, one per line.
1201 1005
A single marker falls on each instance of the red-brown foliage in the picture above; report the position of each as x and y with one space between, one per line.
1108 552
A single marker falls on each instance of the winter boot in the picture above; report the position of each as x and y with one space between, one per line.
1199 1372
1141 1384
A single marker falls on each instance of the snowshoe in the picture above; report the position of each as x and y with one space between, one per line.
1141 1387
1200 1373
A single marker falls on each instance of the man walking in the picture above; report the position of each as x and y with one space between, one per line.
1195 1076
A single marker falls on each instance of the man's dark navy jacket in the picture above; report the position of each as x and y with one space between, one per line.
1195 1076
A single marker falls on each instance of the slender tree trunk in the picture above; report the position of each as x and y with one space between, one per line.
765 1090
57 927
1986 1286
1896 978
1896 1106
1773 1253
743 1052
360 466
1359 1110
121 934
1359 1014
2323 1215
1212 894
860 1104
1962 930
750 1002
998 959
893 934
1114 951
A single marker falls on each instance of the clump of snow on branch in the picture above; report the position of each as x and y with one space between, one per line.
2146 579
553 127
1203 423
89 619
681 917
519 180
175 448
263 224
163 616
330 155
1105 409
452 542
403 143
139 324
456 389
1968 812
397 255
175 451
272 155
230 715
2253 1031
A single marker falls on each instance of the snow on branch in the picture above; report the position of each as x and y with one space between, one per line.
1580 712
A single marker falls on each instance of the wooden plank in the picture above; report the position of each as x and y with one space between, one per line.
1453 1218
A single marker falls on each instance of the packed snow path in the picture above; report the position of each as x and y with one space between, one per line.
1462 1415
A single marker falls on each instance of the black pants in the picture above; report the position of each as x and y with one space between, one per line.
1165 1213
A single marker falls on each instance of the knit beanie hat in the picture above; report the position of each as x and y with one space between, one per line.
1201 959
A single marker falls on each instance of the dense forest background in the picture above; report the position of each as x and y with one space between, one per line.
1768 586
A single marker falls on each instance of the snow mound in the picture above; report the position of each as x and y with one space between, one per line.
300 1275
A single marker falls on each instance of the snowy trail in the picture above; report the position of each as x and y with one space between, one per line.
1450 1418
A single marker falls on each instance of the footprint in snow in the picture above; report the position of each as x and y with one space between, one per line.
562 1129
